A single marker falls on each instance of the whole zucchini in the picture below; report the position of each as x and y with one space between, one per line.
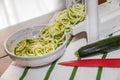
102 46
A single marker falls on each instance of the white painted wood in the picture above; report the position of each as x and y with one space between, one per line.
93 21
3 16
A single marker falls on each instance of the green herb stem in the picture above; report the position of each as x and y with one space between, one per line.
24 73
74 71
54 63
100 69
50 70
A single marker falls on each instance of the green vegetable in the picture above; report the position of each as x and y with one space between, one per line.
102 46
71 16
54 35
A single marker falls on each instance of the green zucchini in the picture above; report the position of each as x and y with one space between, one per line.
102 46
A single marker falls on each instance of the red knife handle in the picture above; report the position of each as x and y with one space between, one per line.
110 62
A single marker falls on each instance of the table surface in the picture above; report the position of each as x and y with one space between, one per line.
5 60
16 72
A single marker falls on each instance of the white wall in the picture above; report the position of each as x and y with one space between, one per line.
21 10
3 16
15 11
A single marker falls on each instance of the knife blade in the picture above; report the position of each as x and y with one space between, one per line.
109 62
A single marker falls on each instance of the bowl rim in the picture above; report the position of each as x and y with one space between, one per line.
33 57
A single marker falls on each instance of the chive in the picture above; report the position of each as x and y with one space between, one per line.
70 39
73 73
50 70
100 69
53 64
24 73
74 69
98 77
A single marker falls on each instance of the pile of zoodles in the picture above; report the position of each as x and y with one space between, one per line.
53 36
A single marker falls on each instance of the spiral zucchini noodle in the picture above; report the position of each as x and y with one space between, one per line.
54 35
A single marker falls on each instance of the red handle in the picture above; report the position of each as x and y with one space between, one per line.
110 62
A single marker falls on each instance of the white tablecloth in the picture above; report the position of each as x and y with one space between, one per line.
59 72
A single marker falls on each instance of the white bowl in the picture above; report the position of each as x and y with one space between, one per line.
31 61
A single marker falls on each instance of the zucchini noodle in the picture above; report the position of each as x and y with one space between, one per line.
54 35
